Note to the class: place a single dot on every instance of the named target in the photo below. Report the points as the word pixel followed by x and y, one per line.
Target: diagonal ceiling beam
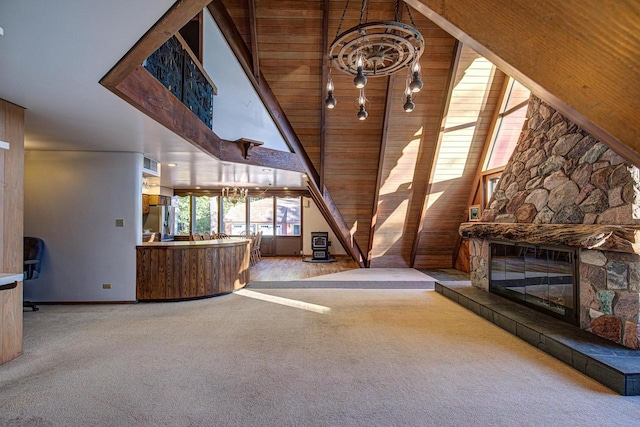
pixel 429 158
pixel 383 147
pixel 253 29
pixel 580 56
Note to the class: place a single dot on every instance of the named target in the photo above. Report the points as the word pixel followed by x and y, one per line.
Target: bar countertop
pixel 200 243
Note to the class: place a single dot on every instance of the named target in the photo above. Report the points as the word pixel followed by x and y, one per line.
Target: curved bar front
pixel 173 271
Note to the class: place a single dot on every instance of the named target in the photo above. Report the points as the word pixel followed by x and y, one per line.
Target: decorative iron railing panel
pixel 172 65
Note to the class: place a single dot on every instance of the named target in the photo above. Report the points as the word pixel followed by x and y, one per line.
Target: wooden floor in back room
pixel 294 268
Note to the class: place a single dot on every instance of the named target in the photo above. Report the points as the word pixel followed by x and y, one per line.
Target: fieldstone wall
pixel 559 174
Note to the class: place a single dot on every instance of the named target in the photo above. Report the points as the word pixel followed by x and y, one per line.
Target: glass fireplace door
pixel 540 277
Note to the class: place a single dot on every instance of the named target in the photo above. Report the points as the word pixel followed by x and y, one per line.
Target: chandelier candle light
pixel 374 49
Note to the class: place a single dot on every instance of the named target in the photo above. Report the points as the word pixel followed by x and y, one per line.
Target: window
pixel 203 210
pixel 234 217
pixel 261 215
pixel 183 215
pixel 509 125
pixel 288 210
pixel 206 214
pixel 490 181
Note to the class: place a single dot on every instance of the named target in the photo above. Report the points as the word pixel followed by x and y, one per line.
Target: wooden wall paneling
pixel 169 274
pixel 173 273
pixel 11 239
pixel 181 273
pixel 175 290
pixel 201 270
pixel 208 281
pixel 155 291
pixel 193 271
pixel 583 78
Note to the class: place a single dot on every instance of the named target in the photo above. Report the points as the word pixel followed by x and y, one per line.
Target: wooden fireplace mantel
pixel 615 238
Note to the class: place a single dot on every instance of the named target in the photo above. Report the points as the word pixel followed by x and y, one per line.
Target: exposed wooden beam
pixel 148 95
pixel 255 60
pixel 175 18
pixel 325 79
pixel 580 56
pixel 428 157
pixel 383 144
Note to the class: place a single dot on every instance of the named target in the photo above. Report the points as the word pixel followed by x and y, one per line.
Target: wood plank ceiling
pixel 388 174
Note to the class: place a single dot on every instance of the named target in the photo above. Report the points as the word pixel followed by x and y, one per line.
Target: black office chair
pixel 33 249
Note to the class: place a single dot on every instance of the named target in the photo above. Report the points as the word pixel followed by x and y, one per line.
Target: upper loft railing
pixel 178 69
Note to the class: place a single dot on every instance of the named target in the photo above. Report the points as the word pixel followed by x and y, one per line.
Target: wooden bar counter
pixel 172 271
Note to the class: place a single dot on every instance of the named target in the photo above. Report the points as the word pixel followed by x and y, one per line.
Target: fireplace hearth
pixel 592 274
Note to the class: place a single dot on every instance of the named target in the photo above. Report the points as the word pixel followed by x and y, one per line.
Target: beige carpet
pixel 308 357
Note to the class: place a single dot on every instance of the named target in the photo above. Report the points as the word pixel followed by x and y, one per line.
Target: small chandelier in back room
pixel 373 49
pixel 235 194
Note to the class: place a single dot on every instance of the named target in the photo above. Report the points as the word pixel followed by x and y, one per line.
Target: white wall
pixel 314 221
pixel 238 112
pixel 72 200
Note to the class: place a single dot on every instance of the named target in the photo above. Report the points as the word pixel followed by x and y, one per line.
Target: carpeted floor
pixel 336 284
pixel 292 357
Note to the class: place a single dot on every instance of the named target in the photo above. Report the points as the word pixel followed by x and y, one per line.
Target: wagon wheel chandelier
pixel 375 49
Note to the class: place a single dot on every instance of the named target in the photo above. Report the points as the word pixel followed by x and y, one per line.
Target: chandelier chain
pixel 362 9
pixel 346 6
pixel 413 23
pixel 395 3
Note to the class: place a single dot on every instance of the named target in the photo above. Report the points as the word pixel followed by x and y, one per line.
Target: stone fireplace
pixel 563 188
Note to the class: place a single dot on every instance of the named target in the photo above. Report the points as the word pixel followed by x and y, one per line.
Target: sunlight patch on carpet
pixel 284 301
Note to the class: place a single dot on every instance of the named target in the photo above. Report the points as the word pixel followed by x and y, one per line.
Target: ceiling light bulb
pixel 362 114
pixel 360 80
pixel 409 105
pixel 416 83
pixel 172 165
pixel 330 102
